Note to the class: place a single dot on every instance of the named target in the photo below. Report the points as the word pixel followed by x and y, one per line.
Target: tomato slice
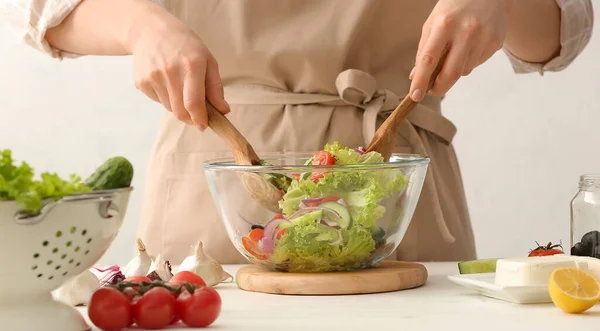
pixel 256 234
pixel 280 233
pixel 296 176
pixel 329 199
pixel 251 247
pixel 316 176
pixel 323 158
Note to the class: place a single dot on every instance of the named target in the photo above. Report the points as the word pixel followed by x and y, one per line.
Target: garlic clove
pixel 78 290
pixel 160 270
pixel 204 266
pixel 224 274
pixel 140 265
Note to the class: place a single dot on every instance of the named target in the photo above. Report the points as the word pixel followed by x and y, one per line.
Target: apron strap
pixel 359 89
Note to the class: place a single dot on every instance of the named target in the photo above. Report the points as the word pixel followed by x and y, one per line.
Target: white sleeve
pixel 30 19
pixel 577 22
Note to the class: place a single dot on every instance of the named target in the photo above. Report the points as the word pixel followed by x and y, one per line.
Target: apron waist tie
pixel 358 88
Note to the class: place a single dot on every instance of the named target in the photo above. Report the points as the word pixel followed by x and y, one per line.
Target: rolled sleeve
pixel 31 19
pixel 577 20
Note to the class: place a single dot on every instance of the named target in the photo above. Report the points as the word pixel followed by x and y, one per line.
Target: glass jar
pixel 585 217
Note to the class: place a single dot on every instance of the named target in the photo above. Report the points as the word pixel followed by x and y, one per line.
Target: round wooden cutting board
pixel 387 276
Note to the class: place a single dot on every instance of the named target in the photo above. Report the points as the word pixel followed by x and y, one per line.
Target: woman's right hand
pixel 173 67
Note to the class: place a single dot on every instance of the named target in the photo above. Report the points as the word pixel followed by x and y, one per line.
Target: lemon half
pixel 573 290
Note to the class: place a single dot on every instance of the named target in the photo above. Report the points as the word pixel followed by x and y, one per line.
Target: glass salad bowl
pixel 332 217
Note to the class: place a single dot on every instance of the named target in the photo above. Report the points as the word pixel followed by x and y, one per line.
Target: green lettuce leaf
pixel 17 183
pixel 363 192
pixel 299 249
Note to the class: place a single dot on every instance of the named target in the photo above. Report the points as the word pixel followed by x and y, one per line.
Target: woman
pixel 271 54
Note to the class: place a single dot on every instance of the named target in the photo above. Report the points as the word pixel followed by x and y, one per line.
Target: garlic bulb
pixel 140 265
pixel 78 290
pixel 204 266
pixel 160 270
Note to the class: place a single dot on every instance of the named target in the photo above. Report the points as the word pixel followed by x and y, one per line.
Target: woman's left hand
pixel 471 30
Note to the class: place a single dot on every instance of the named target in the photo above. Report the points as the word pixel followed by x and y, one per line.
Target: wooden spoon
pixel 261 190
pixel 385 136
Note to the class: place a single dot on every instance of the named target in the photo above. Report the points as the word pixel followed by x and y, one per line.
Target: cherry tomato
pixel 252 248
pixel 186 277
pixel 110 309
pixel 155 309
pixel 296 176
pixel 256 234
pixel 177 318
pixel 200 309
pixel 137 279
pixel 323 158
pixel 130 293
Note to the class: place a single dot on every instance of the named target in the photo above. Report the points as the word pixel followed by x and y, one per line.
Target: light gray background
pixel 523 140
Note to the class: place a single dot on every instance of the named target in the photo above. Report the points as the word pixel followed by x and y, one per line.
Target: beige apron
pixel 300 74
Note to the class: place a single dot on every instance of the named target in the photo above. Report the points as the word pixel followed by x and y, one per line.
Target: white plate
pixel 484 284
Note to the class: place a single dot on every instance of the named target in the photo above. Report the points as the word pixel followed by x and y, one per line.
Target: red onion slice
pixel 108 275
pixel 266 245
pixel 312 201
pixel 361 150
pixel 272 225
pixel 331 224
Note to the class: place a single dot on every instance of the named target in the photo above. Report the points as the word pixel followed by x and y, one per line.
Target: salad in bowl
pixel 341 209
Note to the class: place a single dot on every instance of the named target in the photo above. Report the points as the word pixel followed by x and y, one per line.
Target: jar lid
pixel 589 181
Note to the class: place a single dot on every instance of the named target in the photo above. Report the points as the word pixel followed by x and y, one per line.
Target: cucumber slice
pixel 377 231
pixel 378 234
pixel 327 234
pixel 477 266
pixel 346 219
pixel 285 226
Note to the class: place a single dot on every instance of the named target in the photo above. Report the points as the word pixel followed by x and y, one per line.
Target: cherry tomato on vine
pixel 186 277
pixel 155 309
pixel 137 279
pixel 109 309
pixel 200 309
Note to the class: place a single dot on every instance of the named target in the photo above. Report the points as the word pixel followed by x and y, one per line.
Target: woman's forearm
pixel 533 30
pixel 104 27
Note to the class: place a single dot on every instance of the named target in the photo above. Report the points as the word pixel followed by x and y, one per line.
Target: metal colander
pixel 41 252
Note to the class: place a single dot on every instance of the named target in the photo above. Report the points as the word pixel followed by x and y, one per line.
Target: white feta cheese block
pixel 531 271
pixel 592 263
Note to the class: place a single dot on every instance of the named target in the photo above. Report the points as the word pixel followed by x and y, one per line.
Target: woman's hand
pixel 173 67
pixel 471 30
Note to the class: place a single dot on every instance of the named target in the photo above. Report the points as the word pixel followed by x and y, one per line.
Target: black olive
pixel 581 250
pixel 257 227
pixel 591 239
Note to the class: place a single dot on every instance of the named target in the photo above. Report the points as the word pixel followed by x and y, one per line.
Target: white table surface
pixel 439 305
